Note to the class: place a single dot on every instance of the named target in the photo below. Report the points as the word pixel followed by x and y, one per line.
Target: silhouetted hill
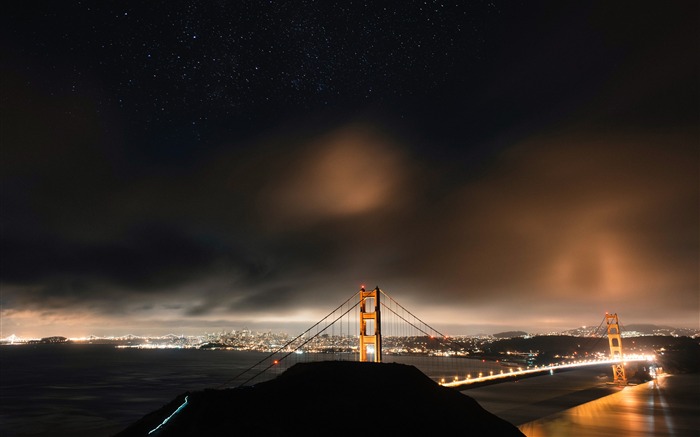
pixel 329 398
pixel 510 334
pixel 50 340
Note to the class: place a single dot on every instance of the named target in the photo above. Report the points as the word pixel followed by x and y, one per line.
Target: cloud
pixel 573 218
pixel 351 171
pixel 286 228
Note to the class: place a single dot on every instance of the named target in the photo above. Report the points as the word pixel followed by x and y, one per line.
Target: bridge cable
pixel 597 336
pixel 289 342
pixel 408 322
pixel 446 343
pixel 298 347
pixel 417 318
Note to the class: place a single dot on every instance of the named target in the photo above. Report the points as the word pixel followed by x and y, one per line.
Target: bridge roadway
pixel 537 370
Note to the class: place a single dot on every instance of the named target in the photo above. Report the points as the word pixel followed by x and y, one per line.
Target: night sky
pixel 181 166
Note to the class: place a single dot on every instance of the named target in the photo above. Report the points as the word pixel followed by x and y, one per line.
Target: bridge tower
pixel 370 324
pixel 615 340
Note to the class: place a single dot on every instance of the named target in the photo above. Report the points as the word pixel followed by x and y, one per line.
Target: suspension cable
pixel 408 322
pixel 289 342
pixel 298 347
pixel 599 336
pixel 414 316
pixel 417 318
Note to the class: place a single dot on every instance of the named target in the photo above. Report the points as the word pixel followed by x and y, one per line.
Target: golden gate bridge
pixel 371 326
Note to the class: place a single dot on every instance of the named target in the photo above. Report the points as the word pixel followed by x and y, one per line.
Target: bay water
pixel 98 390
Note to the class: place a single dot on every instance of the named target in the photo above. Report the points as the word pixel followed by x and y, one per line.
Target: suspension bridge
pixel 371 326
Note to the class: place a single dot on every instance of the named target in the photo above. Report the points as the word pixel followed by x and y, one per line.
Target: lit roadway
pixel 533 370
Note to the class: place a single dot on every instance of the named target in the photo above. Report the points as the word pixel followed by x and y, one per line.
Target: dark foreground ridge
pixel 328 398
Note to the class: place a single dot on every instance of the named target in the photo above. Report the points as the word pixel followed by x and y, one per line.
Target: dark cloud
pixel 521 163
pixel 571 216
pixel 571 219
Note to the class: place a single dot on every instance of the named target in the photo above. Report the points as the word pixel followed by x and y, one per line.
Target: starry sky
pixel 183 166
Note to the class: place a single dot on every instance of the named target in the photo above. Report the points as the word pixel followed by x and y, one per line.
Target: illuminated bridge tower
pixel 615 348
pixel 370 324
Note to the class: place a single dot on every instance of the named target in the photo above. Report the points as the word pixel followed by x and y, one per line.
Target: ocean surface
pixel 667 407
pixel 98 390
pixel 582 403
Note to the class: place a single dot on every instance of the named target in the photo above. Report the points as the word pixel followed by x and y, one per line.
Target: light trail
pixel 184 404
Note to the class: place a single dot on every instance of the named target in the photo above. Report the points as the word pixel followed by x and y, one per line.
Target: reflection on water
pixel 669 406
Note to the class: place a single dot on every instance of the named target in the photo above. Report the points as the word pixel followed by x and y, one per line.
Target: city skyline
pixel 184 167
pixel 581 331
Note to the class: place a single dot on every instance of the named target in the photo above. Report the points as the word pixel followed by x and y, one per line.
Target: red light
pixel 275 362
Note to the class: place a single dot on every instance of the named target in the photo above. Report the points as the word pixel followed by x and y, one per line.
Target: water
pixel 529 399
pixel 98 390
pixel 667 407
pixel 581 403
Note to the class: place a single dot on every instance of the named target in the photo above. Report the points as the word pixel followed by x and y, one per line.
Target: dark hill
pixel 328 398
pixel 510 334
